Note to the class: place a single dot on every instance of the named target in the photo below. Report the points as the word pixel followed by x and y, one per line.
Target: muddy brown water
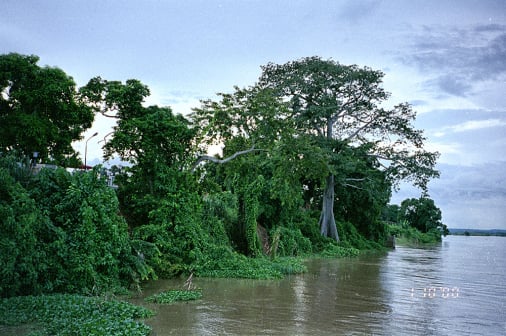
pixel 457 287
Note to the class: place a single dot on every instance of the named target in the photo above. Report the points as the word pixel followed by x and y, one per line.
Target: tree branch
pixel 355 179
pixel 352 186
pixel 104 113
pixel 358 130
pixel 106 137
pixel 225 160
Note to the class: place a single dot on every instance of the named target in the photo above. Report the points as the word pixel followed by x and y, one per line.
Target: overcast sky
pixel 446 57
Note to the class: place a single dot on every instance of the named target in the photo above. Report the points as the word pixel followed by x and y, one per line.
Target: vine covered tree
pixel 40 110
pixel 343 103
pixel 329 116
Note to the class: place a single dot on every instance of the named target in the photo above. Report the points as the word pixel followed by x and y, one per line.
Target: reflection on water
pixel 455 288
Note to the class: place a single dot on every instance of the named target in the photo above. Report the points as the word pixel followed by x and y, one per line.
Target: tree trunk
pixel 327 222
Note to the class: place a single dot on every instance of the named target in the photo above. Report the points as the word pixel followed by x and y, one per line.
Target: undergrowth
pixel 408 235
pixel 336 251
pixel 236 265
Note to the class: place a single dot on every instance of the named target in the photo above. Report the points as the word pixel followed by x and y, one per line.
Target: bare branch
pixel 225 160
pixel 356 179
pixel 352 186
pixel 108 115
pixel 358 130
pixel 105 137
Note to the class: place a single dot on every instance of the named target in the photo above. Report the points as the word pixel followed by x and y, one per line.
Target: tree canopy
pixel 309 159
pixel 40 110
pixel 332 108
pixel 422 214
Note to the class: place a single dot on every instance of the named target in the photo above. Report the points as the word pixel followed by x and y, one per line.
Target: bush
pixel 335 251
pixel 351 238
pixel 289 242
pixel 24 255
pixel 223 262
pixel 63 233
pixel 94 253
pixel 408 235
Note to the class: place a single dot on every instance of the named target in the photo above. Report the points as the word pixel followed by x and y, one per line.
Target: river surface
pixel 457 287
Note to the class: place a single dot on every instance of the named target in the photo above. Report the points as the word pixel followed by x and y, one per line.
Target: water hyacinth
pixel 174 295
pixel 65 314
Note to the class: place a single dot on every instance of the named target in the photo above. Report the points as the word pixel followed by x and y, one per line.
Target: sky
pixel 445 57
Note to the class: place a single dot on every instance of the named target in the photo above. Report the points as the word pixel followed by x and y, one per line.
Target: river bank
pixel 453 287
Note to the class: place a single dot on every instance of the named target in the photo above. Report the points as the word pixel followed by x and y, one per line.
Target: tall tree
pixel 156 142
pixel 248 122
pixel 40 109
pixel 332 101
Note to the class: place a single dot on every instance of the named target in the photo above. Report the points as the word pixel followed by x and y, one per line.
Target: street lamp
pixel 33 162
pixel 86 150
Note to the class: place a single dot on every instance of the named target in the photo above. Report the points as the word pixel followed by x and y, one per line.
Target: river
pixel 457 287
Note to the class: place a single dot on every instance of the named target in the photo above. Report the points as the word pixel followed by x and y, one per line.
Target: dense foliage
pixel 422 214
pixel 65 315
pixel 40 110
pixel 62 233
pixel 309 159
pixel 415 220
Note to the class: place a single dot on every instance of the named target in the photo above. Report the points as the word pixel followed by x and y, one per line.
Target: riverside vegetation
pixel 309 161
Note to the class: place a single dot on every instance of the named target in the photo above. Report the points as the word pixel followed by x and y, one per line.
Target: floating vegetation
pixel 65 314
pixel 174 295
pixel 335 251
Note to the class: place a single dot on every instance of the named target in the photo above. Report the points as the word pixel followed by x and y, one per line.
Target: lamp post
pixel 86 150
pixel 35 155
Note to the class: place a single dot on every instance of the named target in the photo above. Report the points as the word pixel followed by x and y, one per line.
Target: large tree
pixel 156 142
pixel 332 101
pixel 40 110
pixel 333 107
pixel 249 125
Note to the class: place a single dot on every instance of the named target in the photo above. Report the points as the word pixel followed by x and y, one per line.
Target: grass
pixel 66 314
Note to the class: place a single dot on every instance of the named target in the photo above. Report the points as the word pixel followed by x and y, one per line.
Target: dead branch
pixel 225 160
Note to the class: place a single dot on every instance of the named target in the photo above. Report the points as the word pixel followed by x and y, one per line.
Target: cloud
pixel 180 101
pixel 468 196
pixel 418 102
pixel 465 136
pixel 478 124
pixel 453 84
pixel 471 125
pixel 445 149
pixel 472 196
pixel 356 11
pixel 459 58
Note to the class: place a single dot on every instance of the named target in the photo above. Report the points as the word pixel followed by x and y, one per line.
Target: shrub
pixel 289 242
pixel 63 233
pixel 408 235
pixel 94 253
pixel 24 256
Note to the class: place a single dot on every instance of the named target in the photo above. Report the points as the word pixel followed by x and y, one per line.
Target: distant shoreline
pixel 477 232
